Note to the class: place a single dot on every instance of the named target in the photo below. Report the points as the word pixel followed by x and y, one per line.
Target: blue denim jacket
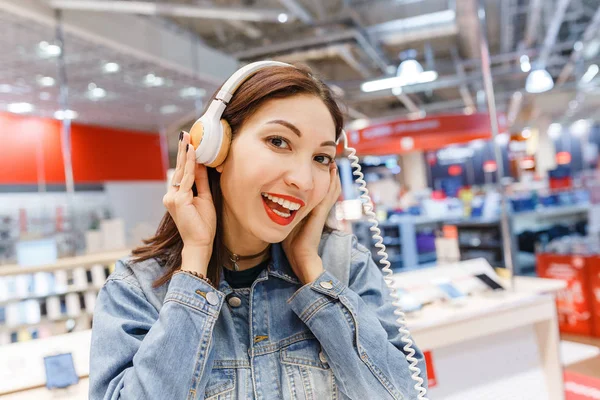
pixel 334 338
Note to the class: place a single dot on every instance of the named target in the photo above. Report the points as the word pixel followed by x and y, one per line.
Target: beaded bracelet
pixel 199 276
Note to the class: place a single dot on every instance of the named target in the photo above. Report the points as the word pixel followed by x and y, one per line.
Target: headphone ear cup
pixel 196 134
pixel 224 150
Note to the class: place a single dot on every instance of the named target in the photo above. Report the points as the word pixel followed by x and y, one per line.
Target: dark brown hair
pixel 269 83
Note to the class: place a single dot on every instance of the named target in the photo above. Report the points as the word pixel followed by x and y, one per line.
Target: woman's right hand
pixel 195 217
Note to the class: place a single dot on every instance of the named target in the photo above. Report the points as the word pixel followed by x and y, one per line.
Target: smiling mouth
pixel 279 210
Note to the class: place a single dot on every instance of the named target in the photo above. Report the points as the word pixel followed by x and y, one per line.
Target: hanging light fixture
pixel 539 81
pixel 409 72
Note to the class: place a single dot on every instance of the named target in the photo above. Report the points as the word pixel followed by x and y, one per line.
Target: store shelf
pixel 553 211
pixel 43 321
pixel 69 290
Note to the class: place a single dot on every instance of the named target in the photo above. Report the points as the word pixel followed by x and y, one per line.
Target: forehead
pixel 308 113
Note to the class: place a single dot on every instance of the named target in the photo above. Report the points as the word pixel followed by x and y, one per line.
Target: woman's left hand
pixel 301 245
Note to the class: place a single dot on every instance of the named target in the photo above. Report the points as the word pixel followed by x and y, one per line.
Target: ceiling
pixel 345 41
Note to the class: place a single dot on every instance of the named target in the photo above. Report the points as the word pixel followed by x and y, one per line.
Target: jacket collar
pixel 279 267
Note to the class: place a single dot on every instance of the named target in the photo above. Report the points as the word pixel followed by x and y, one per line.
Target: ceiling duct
pixel 414 29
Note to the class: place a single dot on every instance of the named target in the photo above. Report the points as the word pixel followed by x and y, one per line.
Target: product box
pixel 594 278
pixel 574 303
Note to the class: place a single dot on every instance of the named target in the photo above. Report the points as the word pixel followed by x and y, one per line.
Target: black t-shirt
pixel 244 279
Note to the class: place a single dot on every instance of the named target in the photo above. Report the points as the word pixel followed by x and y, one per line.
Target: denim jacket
pixel 334 338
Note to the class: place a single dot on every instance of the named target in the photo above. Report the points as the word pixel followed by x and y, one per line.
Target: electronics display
pixel 60 371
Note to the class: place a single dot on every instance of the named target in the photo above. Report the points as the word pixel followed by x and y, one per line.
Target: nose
pixel 300 175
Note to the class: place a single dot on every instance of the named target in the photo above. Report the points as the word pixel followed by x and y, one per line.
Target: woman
pixel 243 292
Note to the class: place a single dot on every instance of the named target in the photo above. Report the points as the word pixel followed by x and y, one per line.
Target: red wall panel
pixel 98 153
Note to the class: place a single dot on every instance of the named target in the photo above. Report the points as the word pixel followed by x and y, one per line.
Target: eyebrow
pixel 294 129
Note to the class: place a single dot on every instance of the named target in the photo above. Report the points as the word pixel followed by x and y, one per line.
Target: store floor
pixel 582 369
pixel 589 367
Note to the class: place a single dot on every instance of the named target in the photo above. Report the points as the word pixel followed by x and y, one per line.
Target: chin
pixel 274 235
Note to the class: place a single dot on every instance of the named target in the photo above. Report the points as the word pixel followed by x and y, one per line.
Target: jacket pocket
pixel 221 384
pixel 307 373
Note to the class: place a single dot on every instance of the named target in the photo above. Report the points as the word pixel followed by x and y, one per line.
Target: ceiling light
pixel 580 127
pixel 526 133
pixel 111 67
pixel 46 49
pixel 591 49
pixel 525 67
pixel 409 68
pixel 153 80
pixel 502 139
pixel 554 130
pixel 397 91
pixel 539 81
pixel 20 108
pixel 5 88
pixel 398 81
pixel 96 93
pixel 169 109
pixel 283 18
pixel 45 81
pixel 578 46
pixel 192 92
pixel 590 74
pixel 65 114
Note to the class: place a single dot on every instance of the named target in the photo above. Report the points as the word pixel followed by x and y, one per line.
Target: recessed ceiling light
pixel 192 92
pixel 45 96
pixel 65 114
pixel 153 80
pixel 283 18
pixel 20 108
pixel 46 49
pixel 111 67
pixel 169 109
pixel 45 81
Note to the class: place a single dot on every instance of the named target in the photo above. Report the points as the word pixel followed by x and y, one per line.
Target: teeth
pixel 284 215
pixel 285 203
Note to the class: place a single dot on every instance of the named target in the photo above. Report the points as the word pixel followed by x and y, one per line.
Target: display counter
pixel 494 345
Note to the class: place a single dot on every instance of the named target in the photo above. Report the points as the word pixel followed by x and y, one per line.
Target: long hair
pixel 269 83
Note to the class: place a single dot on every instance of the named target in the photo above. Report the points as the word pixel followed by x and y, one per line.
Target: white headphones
pixel 210 135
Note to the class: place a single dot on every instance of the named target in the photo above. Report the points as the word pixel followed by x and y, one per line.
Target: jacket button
pixel 234 301
pixel 322 358
pixel 212 298
pixel 326 285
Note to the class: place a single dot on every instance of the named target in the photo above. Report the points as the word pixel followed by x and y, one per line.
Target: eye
pixel 324 159
pixel 278 142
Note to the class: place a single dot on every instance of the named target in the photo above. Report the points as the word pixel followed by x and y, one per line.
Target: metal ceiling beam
pixel 296 9
pixel 464 89
pixel 589 34
pixel 552 32
pixel 534 17
pixel 171 9
pixel 424 27
pixel 150 42
pixel 508 57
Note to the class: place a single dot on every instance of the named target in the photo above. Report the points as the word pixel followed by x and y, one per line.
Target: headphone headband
pixel 238 77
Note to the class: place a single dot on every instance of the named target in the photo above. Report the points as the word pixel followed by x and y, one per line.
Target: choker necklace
pixel 234 258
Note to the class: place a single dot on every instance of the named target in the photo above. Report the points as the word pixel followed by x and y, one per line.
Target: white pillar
pixel 414 170
pixel 545 155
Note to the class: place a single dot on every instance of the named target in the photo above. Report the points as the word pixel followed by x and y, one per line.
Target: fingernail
pixel 180 136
